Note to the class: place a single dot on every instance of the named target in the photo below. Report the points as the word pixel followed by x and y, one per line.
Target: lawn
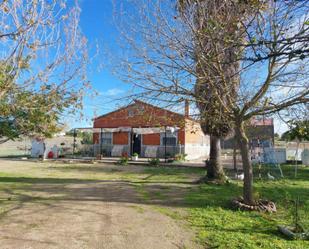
pixel 219 227
pixel 204 209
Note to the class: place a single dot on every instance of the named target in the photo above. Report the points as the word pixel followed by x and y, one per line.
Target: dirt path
pixel 100 214
pixel 70 224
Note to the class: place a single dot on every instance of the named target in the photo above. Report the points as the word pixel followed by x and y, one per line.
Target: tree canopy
pixel 42 66
pixel 299 130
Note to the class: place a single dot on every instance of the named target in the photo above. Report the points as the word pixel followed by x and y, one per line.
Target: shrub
pixel 180 157
pixel 154 161
pixel 135 154
pixel 125 154
pixel 123 161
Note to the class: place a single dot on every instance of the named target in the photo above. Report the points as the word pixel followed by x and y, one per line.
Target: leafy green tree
pixel 42 66
pixel 299 130
pixel 277 136
pixel 87 138
pixel 24 113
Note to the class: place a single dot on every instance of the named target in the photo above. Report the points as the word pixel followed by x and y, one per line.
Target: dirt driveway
pixel 40 210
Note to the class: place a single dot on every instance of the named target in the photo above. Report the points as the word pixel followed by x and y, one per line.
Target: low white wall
pixel 196 151
pixel 159 151
pixel 279 155
pixel 37 148
pixel 118 150
pixel 305 157
pixel 150 151
pixel 291 154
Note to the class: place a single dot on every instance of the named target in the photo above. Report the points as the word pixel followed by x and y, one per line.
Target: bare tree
pixel 223 17
pixel 252 66
pixel 42 65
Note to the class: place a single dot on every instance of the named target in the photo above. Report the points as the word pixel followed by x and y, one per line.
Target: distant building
pixel 150 131
pixel 60 134
pixel 260 131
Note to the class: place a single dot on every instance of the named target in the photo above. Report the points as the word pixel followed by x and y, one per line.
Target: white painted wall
pixel 150 151
pixel 305 157
pixel 197 151
pixel 117 150
pixel 37 148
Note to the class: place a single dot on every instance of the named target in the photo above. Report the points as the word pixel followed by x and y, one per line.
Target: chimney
pixel 187 108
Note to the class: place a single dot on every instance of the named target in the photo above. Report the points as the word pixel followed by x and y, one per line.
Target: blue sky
pixel 96 22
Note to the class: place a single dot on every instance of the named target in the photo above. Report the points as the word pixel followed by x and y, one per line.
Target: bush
pixel 180 157
pixel 123 161
pixel 125 154
pixel 135 154
pixel 154 161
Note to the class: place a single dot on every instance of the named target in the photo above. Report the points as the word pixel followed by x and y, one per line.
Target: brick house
pixel 258 131
pixel 150 131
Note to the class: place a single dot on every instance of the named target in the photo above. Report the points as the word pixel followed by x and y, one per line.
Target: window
pixel 170 139
pixel 106 138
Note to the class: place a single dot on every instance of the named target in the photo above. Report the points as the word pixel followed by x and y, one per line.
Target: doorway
pixel 137 139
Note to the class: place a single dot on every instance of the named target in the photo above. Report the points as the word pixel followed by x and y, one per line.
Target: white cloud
pixel 113 92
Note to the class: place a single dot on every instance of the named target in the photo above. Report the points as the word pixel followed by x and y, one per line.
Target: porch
pixel 145 151
pixel 147 142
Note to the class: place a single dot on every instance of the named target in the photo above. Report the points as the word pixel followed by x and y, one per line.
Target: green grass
pixel 217 225
pixel 170 191
pixel 168 212
pixel 220 227
pixel 141 191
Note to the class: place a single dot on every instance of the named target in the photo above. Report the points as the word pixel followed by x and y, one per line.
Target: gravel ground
pixel 93 214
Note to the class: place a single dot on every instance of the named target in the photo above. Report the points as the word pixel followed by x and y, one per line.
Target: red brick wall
pixel 154 139
pixel 143 116
pixel 148 139
pixel 151 139
pixel 120 138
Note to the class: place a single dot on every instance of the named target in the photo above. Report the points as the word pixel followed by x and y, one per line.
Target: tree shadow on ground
pixel 105 168
pixel 172 191
pixel 45 180
pixel 139 192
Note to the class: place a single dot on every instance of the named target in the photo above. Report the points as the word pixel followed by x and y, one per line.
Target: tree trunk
pixel 246 162
pixel 214 166
pixel 234 156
